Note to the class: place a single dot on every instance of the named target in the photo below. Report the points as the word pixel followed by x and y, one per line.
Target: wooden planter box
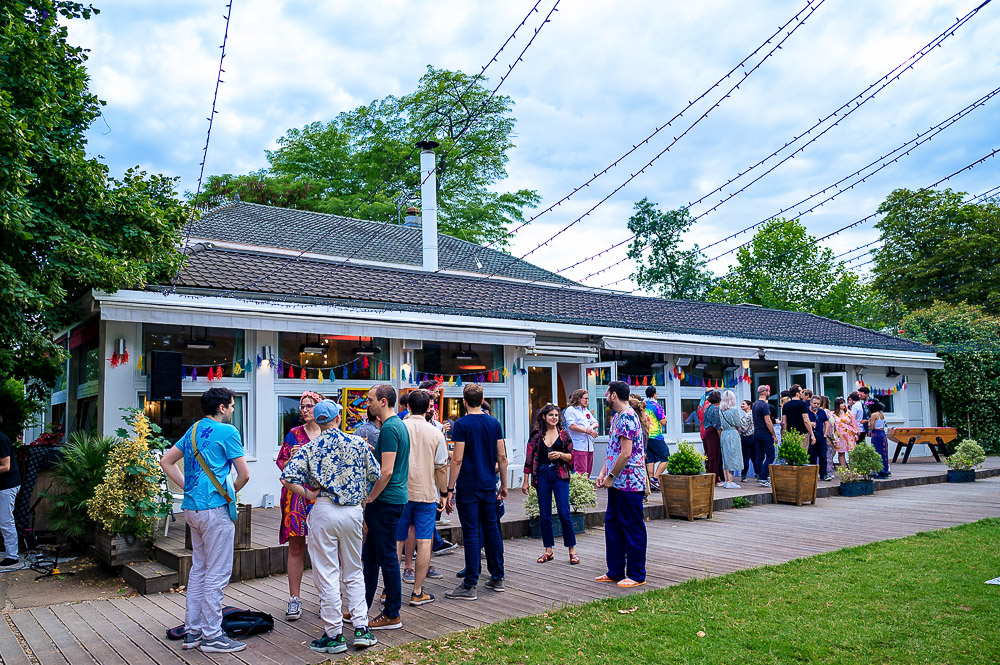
pixel 241 538
pixel 794 484
pixel 961 475
pixel 535 525
pixel 120 550
pixel 688 496
pixel 857 488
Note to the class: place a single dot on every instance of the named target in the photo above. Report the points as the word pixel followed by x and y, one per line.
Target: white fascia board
pixel 526 329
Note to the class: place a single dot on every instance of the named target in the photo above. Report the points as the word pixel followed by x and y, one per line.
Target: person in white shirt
pixel 582 427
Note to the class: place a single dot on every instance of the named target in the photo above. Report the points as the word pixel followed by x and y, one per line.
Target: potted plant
pixel 76 475
pixel 131 499
pixel 792 479
pixel 856 477
pixel 962 464
pixel 582 495
pixel 686 489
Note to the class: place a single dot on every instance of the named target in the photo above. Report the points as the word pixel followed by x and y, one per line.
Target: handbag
pixel 227 495
pixel 236 623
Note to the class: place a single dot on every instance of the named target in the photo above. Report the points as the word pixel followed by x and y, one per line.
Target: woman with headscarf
pixel 295 507
pixel 713 428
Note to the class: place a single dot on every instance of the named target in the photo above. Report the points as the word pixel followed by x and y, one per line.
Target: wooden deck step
pixel 150 577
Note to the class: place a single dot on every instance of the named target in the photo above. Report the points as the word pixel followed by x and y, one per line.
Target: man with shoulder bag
pixel 210 449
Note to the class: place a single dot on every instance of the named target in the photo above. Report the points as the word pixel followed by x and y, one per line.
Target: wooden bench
pixel 934 437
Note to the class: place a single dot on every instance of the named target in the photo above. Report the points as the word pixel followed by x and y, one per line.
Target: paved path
pixel 130 630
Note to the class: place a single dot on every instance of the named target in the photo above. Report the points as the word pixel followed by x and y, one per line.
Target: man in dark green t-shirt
pixel 385 505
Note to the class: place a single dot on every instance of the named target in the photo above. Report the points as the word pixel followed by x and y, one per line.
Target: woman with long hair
pixel 294 507
pixel 846 428
pixel 876 425
pixel 549 462
pixel 732 459
pixel 747 443
pixel 582 426
pixel 713 428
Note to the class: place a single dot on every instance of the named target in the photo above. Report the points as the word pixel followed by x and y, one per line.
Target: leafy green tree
pixel 936 247
pixel 665 268
pixel 783 267
pixel 363 163
pixel 67 226
pixel 968 387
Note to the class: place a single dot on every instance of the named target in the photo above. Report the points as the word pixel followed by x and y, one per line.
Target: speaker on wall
pixel 165 374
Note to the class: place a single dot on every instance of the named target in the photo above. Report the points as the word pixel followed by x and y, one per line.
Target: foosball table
pixel 934 437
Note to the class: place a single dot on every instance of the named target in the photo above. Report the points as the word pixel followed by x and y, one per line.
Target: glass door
pixel 766 379
pixel 833 385
pixel 541 388
pixel 802 376
pixel 596 377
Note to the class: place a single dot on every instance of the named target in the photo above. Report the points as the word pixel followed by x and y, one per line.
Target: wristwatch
pixel 611 475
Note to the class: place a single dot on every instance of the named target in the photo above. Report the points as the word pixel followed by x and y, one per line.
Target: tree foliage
pixel 936 247
pixel 968 388
pixel 67 225
pixel 363 163
pixel 783 267
pixel 665 268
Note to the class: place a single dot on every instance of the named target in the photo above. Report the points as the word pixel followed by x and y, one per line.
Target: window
pixel 174 418
pixel 689 415
pixel 466 360
pixel 886 401
pixel 86 416
pixel 454 408
pixel 337 353
pixel 288 408
pixel 89 368
pixel 200 347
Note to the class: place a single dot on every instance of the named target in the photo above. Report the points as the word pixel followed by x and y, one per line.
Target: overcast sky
pixel 597 79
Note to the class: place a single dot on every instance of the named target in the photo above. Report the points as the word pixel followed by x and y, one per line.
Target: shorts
pixel 421 516
pixel 656 451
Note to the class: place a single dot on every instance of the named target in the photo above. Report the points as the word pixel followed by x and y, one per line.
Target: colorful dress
pixel 847 429
pixel 294 508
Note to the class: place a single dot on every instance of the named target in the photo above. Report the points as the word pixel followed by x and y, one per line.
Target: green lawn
pixel 921 599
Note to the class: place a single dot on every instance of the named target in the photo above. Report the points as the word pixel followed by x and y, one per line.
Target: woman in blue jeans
pixel 549 461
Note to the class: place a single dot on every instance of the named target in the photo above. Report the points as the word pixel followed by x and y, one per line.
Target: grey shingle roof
pixel 332 235
pixel 239 273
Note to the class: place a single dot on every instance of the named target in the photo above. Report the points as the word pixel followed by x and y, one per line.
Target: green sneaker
pixel 364 638
pixel 327 644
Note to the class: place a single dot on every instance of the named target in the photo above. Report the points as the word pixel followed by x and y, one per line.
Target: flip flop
pixel 604 578
pixel 547 556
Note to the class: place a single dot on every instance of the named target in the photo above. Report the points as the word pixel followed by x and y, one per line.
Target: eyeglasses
pixel 306 407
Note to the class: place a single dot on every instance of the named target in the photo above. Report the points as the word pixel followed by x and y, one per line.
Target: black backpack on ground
pixel 236 623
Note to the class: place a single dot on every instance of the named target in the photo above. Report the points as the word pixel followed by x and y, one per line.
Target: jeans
pixel 764 454
pixel 475 509
pixel 379 553
pixel 550 483
pixel 749 452
pixel 817 454
pixel 7 525
pixel 212 534
pixel 625 536
pixel 335 552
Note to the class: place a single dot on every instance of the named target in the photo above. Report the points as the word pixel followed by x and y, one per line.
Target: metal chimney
pixel 412 219
pixel 428 197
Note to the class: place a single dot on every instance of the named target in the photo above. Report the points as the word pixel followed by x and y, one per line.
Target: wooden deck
pixel 131 630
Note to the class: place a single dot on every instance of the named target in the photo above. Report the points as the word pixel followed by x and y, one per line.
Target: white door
pixel 596 377
pixel 802 376
pixel 833 385
pixel 915 416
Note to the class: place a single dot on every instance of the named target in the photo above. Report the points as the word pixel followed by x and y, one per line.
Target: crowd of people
pixel 366 505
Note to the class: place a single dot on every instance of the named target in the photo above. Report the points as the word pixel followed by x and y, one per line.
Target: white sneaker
pixel 734 486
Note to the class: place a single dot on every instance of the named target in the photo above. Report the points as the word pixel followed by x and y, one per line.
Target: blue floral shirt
pixel 626 425
pixel 341 465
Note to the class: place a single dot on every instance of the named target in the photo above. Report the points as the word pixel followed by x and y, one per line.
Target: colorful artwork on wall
pixel 355 403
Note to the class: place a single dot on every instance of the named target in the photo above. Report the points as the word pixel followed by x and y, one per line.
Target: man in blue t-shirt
pixel 480 453
pixel 206 512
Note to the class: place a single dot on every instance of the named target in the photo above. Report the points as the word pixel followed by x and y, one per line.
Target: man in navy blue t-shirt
pixel 479 454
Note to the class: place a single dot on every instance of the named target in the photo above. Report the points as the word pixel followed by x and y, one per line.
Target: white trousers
pixel 212 534
pixel 7 526
pixel 335 552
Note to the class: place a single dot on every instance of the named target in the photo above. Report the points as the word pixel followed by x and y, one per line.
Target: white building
pixel 312 291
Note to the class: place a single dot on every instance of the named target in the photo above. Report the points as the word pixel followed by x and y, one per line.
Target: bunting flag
pixel 320 377
pixel 344 374
pixel 392 373
pixel 380 367
pixel 237 369
pixel 303 374
pixel 523 371
pixel 451 380
pixel 259 361
pixel 505 372
pixel 402 375
pixel 291 371
pixel 884 392
pixel 138 364
pixel 194 373
pixel 459 380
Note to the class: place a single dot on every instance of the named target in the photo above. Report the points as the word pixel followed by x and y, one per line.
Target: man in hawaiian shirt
pixel 343 469
pixel 625 479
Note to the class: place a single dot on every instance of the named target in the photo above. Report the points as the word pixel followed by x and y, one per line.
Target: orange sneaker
pixel 628 584
pixel 604 578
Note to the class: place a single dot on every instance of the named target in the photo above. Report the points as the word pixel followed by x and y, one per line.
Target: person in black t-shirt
pixel 794 414
pixel 10 483
pixel 763 434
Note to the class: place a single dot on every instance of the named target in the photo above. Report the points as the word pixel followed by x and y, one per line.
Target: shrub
pixel 686 461
pixel 742 502
pixel 582 494
pixel 864 461
pixel 791 451
pixel 131 498
pixel 968 455
pixel 80 469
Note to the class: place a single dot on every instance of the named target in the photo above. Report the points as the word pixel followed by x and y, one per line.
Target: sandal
pixel 548 556
pixel 574 559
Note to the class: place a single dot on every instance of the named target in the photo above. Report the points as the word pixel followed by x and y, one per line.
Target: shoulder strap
pixel 204 466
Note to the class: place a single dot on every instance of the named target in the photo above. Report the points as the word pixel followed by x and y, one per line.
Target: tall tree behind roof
pixel 351 165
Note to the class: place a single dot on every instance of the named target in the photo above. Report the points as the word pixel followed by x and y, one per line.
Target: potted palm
pixel 856 476
pixel 792 479
pixel 962 464
pixel 686 489
pixel 75 478
pixel 582 495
